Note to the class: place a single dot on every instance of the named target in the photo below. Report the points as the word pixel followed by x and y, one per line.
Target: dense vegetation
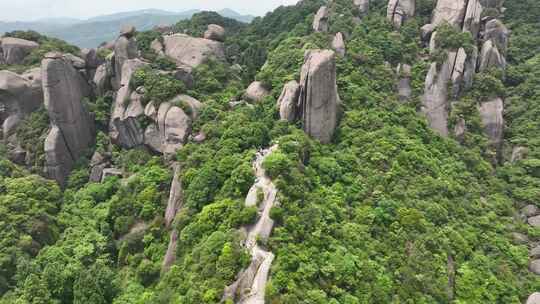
pixel 389 212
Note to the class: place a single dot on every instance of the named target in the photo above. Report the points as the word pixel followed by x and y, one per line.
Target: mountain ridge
pixel 90 32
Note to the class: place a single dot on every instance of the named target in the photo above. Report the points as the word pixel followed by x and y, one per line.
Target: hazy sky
pixel 24 10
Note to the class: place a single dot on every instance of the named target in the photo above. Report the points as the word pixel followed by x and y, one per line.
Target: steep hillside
pixel 328 152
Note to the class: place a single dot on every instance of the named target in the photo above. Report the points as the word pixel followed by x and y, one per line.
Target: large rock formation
pixel 187 50
pixel 491 57
pixel 399 11
pixel 338 44
pixel 318 96
pixel 125 48
pixel 173 206
pixel 491 114
pixel 20 95
pixel 72 129
pixel 14 50
pixel 215 32
pixel 125 129
pixel 534 298
pixel 320 22
pixel 172 123
pixel 288 101
pixel 457 71
pixel 362 6
pixel 404 83
pixel 256 92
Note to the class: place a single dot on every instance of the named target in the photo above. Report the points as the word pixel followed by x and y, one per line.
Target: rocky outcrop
pixel 362 6
pixel 256 92
pixel 172 123
pixel 338 44
pixel 404 72
pixel 519 153
pixel 491 114
pixel 102 78
pixel 190 51
pixel 497 32
pixel 173 206
pixel 125 129
pixel 249 288
pixel 320 22
pixel 318 96
pixel 399 11
pixel 288 101
pixel 457 71
pixel 98 163
pixel 534 298
pixel 174 127
pixel 125 48
pixel 14 50
pixel 215 32
pixel 20 95
pixel 72 131
pixel 491 57
pixel 175 197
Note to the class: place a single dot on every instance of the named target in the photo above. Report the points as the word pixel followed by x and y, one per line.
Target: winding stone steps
pixel 250 286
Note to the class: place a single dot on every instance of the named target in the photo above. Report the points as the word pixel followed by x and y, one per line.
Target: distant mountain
pixel 93 31
pixel 229 13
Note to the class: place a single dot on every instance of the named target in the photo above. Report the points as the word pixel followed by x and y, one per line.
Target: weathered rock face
pixel 459 67
pixel 72 130
pixel 125 48
pixel 288 101
pixel 519 153
pixel 529 211
pixel 404 84
pixel 102 78
pixel 215 32
pixel 338 44
pixel 399 11
pixel 451 11
pixel 174 127
pixel 256 92
pixel 435 101
pixel 318 96
pixel 320 22
pixel 534 267
pixel 175 197
pixel 497 32
pixel 491 113
pixel 125 129
pixel 491 57
pixel 14 50
pixel 190 51
pixel 534 298
pixel 362 5
pixel 20 95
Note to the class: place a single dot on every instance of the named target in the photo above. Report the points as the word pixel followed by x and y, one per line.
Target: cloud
pixel 25 10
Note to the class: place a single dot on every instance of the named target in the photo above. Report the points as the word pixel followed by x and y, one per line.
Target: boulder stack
pixel 125 48
pixel 72 128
